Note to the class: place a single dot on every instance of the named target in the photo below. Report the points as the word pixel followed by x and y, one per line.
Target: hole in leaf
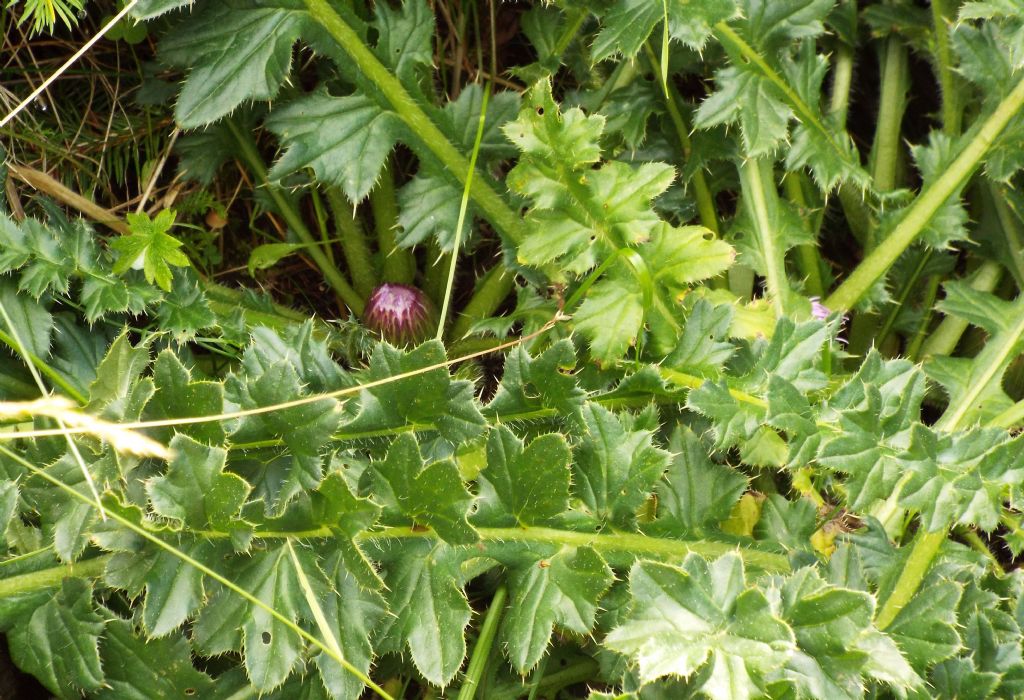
pixel 190 691
pixel 540 111
pixel 266 637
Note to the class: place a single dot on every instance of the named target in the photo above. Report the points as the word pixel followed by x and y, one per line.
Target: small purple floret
pixel 403 315
pixel 819 310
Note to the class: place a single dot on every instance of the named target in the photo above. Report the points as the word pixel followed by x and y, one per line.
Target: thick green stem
pixel 952 108
pixel 397 264
pixel 55 377
pixel 52 577
pixel 808 257
pixel 495 286
pixel 943 339
pixel 353 242
pixel 842 80
pixel 490 204
pixel 927 204
pixel 254 162
pixel 761 200
pixel 987 367
pixel 484 643
pixel 885 152
pixel 926 547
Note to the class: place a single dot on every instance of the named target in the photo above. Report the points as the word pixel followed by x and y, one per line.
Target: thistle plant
pixel 724 400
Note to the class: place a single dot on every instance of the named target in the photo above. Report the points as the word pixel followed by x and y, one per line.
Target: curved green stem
pixel 482 650
pixel 943 339
pixel 491 205
pixel 52 577
pixel 927 204
pixel 353 242
pixel 47 371
pixel 397 264
pixel 926 547
pixel 331 274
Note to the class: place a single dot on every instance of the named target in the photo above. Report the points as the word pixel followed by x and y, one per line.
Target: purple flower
pixel 819 310
pixel 403 315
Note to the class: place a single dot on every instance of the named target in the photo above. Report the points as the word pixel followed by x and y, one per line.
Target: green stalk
pixel 491 205
pixel 842 80
pixel 926 547
pixel 353 242
pixel 55 377
pixel 761 199
pixel 907 286
pixel 1011 229
pixel 927 203
pixel 743 53
pixel 482 650
pixel 331 274
pixel 702 193
pixel 928 304
pixel 52 577
pixel 397 264
pixel 321 222
pixel 622 544
pixel 952 109
pixel 493 288
pixel 986 368
pixel 808 257
pixel 944 339
pixel 885 152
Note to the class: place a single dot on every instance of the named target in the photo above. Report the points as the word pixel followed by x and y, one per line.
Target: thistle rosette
pixel 401 314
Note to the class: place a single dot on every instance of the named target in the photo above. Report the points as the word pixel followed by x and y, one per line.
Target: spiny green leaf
pixel 196 490
pixel 700 613
pixel 177 395
pixel 431 398
pixel 431 494
pixel 429 610
pixel 611 317
pixel 524 486
pixel 345 140
pixel 541 382
pixel 33 324
pixel 630 22
pixel 236 54
pixel 563 590
pixel 696 494
pixel 140 669
pixel 616 466
pixel 59 643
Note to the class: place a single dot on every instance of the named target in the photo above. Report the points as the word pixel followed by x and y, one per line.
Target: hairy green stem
pixel 491 205
pixel 892 103
pixel 842 80
pixel 931 199
pixel 397 264
pixel 761 200
pixel 987 367
pixel 484 643
pixel 55 377
pixel 353 242
pixel 944 339
pixel 334 278
pixel 952 108
pixel 52 577
pixel 926 547
pixel 808 257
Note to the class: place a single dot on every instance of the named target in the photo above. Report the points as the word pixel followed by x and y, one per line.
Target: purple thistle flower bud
pixel 403 315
